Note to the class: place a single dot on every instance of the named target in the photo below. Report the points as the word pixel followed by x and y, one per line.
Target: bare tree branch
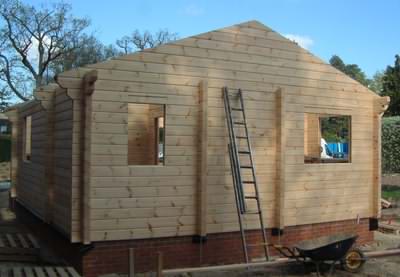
pixel 139 41
pixel 7 74
pixel 34 39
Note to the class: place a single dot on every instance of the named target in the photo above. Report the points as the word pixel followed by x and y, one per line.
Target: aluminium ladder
pixel 238 132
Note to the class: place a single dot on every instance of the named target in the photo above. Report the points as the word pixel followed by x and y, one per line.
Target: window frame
pixel 319 160
pixel 27 157
pixel 155 159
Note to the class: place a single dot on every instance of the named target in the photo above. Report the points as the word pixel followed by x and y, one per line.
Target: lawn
pixel 391 192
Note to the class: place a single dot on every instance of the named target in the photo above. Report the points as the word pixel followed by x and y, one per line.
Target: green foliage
pixel 391 192
pixel 376 82
pixel 391 144
pixel 351 70
pixel 335 128
pixel 391 87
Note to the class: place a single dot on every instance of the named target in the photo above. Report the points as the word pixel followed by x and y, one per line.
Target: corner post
pixel 380 106
pixel 87 90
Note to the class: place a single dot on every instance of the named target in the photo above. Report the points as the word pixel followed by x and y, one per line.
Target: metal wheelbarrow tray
pixel 334 249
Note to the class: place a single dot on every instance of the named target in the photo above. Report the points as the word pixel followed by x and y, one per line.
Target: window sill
pixel 308 160
pixel 146 165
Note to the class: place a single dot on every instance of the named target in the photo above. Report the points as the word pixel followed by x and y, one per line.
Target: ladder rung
pixel 237 109
pixel 248 182
pixel 252 212
pixel 258 244
pixel 246 166
pixel 244 152
pixel 251 197
pixel 239 123
pixel 241 137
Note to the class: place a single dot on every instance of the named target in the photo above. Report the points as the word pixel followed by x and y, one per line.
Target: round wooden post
pixel 131 262
pixel 159 264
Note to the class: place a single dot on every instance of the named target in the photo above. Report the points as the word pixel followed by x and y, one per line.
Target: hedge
pixel 5 148
pixel 391 144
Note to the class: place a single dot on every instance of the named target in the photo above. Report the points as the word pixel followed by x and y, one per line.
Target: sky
pixel 366 32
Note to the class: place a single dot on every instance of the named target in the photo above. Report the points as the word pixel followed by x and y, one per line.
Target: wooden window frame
pixel 27 155
pixel 154 159
pixel 348 160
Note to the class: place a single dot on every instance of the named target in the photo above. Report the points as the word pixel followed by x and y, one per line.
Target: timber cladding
pixel 63 134
pixel 122 196
pixel 32 183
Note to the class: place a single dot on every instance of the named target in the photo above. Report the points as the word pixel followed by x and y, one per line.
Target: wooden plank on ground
pixel 39 271
pixel 28 272
pixel 72 272
pixel 50 272
pixel 16 272
pixel 61 272
pixel 23 241
pixel 11 240
pixel 33 240
pixel 3 272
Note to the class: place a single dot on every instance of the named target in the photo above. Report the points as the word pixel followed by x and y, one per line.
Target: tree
pixel 32 39
pixel 376 82
pixel 5 98
pixel 391 86
pixel 351 70
pixel 338 63
pixel 138 41
pixel 92 51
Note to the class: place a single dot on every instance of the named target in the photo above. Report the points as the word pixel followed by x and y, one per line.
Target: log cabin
pixel 132 152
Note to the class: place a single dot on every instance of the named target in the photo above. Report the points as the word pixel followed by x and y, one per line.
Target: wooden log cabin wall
pixel 126 194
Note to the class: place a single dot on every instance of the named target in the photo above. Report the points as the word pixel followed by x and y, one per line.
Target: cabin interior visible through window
pixel 327 138
pixel 146 134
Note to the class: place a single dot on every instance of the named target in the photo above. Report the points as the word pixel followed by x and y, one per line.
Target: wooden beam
pixel 281 138
pixel 380 106
pixel 203 163
pixel 85 135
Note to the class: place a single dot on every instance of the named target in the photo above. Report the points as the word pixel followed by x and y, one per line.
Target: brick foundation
pixel 224 248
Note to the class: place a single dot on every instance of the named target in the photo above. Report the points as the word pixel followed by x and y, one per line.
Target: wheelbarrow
pixel 331 249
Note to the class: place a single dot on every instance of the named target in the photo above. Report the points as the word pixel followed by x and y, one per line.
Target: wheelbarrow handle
pixel 286 251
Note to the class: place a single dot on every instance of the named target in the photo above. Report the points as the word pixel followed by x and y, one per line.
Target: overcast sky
pixel 363 32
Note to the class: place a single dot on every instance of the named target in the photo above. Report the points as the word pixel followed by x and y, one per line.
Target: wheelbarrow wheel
pixel 353 260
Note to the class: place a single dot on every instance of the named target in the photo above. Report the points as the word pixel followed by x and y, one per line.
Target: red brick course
pixel 224 248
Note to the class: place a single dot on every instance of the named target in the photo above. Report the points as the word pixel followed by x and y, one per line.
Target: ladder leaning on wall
pixel 239 135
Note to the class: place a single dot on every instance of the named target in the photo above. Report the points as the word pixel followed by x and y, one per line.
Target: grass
pixel 391 192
